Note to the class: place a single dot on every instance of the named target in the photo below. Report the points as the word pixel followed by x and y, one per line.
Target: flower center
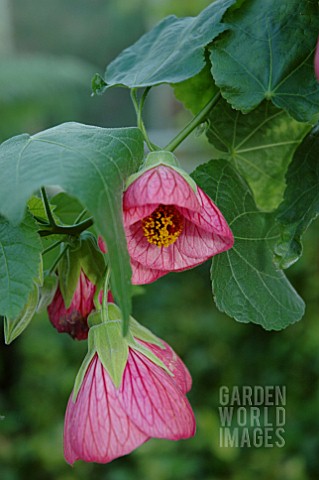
pixel 164 226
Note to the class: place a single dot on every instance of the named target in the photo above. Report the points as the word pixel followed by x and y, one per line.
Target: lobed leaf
pixel 170 53
pixel 267 53
pixel 91 164
pixel 245 282
pixel 301 201
pixel 260 145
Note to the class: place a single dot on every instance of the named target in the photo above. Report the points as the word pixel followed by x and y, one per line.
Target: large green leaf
pixel 245 282
pixel 301 201
pixel 20 261
pixel 91 164
pixel 268 53
pixel 260 145
pixel 196 92
pixel 171 52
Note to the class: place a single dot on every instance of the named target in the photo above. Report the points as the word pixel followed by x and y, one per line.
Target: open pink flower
pixel 73 320
pixel 105 422
pixel 316 62
pixel 169 226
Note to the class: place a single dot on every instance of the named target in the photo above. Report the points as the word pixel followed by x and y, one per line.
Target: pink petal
pixel 153 401
pixel 97 429
pixel 182 377
pixel 194 246
pixel 161 184
pixel 73 320
pixel 102 244
pixel 135 214
pixel 143 275
pixel 209 218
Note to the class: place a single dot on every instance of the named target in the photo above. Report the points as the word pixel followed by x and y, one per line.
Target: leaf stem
pixel 67 230
pixel 138 106
pixel 47 207
pixel 197 120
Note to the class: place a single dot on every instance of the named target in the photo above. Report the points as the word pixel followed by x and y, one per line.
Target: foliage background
pixel 37 371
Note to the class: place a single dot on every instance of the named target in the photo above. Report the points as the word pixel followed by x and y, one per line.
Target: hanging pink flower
pixel 105 423
pixel 170 226
pixel 316 62
pixel 73 320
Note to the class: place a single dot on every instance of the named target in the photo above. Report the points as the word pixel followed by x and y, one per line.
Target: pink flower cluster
pixel 171 225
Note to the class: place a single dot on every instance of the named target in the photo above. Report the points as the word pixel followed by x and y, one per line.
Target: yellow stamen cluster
pixel 164 226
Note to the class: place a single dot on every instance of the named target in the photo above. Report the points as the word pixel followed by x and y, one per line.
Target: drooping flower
pixel 106 422
pixel 73 320
pixel 170 225
pixel 316 61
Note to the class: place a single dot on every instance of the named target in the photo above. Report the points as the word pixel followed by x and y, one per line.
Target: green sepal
pixel 81 374
pixel 69 270
pixel 92 259
pixel 143 333
pixel 150 355
pixel 157 158
pixel 14 327
pixel 47 291
pixel 112 348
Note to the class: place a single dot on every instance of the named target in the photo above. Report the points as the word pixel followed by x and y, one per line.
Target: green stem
pixel 65 230
pixel 47 207
pixel 197 120
pixel 51 247
pixel 138 106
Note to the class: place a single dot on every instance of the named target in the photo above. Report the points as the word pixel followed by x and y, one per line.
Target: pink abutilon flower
pixel 316 62
pixel 169 226
pixel 105 422
pixel 73 320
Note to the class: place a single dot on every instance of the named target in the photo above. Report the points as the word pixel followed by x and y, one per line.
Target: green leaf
pixel 245 282
pixel 66 208
pixel 91 258
pixel 196 92
pixel 267 53
pixel 260 145
pixel 301 201
pixel 170 53
pixel 13 327
pixel 111 348
pixel 91 164
pixel 20 260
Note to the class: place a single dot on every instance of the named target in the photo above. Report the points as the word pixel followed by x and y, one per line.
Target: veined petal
pixel 97 429
pixel 193 247
pixel 143 275
pixel 182 377
pixel 209 218
pixel 163 185
pixel 134 214
pixel 153 401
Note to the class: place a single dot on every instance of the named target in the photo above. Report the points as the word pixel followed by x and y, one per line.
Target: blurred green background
pixel 49 52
